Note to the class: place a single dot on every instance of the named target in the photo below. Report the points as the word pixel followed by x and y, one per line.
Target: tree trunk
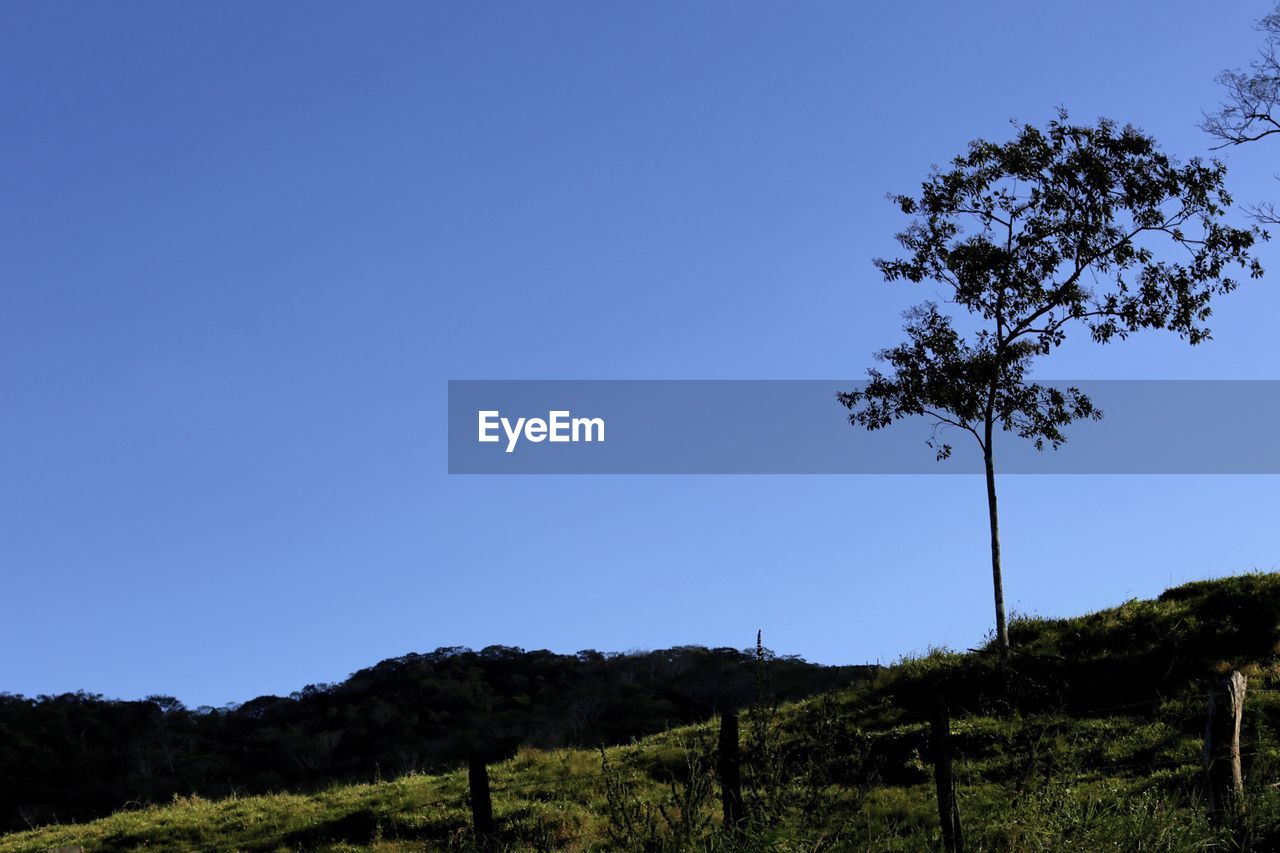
pixel 997 580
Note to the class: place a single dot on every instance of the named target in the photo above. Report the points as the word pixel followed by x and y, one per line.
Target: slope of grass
pixel 1090 741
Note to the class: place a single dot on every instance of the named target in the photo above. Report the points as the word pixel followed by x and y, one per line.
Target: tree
pixel 1057 229
pixel 1251 109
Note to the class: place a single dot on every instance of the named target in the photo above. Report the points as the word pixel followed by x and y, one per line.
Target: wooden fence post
pixel 481 800
pixel 1222 746
pixel 729 768
pixel 948 807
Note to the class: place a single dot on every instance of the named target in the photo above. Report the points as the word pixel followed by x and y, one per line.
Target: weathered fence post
pixel 481 800
pixel 948 807
pixel 729 768
pixel 1222 746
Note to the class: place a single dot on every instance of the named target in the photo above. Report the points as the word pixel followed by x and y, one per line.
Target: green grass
pixel 1091 742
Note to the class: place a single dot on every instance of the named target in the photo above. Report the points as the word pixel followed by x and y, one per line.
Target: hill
pixel 1090 741
pixel 78 756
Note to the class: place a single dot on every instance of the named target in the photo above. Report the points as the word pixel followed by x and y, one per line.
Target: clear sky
pixel 243 247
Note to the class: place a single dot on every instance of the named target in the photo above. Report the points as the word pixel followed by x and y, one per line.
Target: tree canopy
pixel 1250 110
pixel 1056 227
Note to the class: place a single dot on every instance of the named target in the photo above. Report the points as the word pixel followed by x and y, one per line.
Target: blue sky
pixel 244 247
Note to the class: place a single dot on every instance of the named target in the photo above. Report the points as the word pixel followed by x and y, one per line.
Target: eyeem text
pixel 558 426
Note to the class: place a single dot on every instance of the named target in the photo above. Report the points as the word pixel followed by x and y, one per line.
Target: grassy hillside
pixel 1091 741
pixel 76 757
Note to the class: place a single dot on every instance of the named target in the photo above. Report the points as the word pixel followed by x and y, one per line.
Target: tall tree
pixel 1054 230
pixel 1250 110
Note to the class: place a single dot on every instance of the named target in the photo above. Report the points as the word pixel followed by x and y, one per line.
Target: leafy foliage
pixel 1056 227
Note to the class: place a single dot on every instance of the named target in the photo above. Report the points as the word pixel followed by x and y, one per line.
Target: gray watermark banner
pixel 797 427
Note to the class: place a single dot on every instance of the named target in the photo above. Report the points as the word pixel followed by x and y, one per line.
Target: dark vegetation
pixel 1089 739
pixel 77 756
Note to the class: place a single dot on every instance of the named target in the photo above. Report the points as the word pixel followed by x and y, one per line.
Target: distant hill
pixel 76 756
pixel 1091 740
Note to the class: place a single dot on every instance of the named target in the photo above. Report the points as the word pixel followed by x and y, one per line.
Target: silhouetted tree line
pixel 78 755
